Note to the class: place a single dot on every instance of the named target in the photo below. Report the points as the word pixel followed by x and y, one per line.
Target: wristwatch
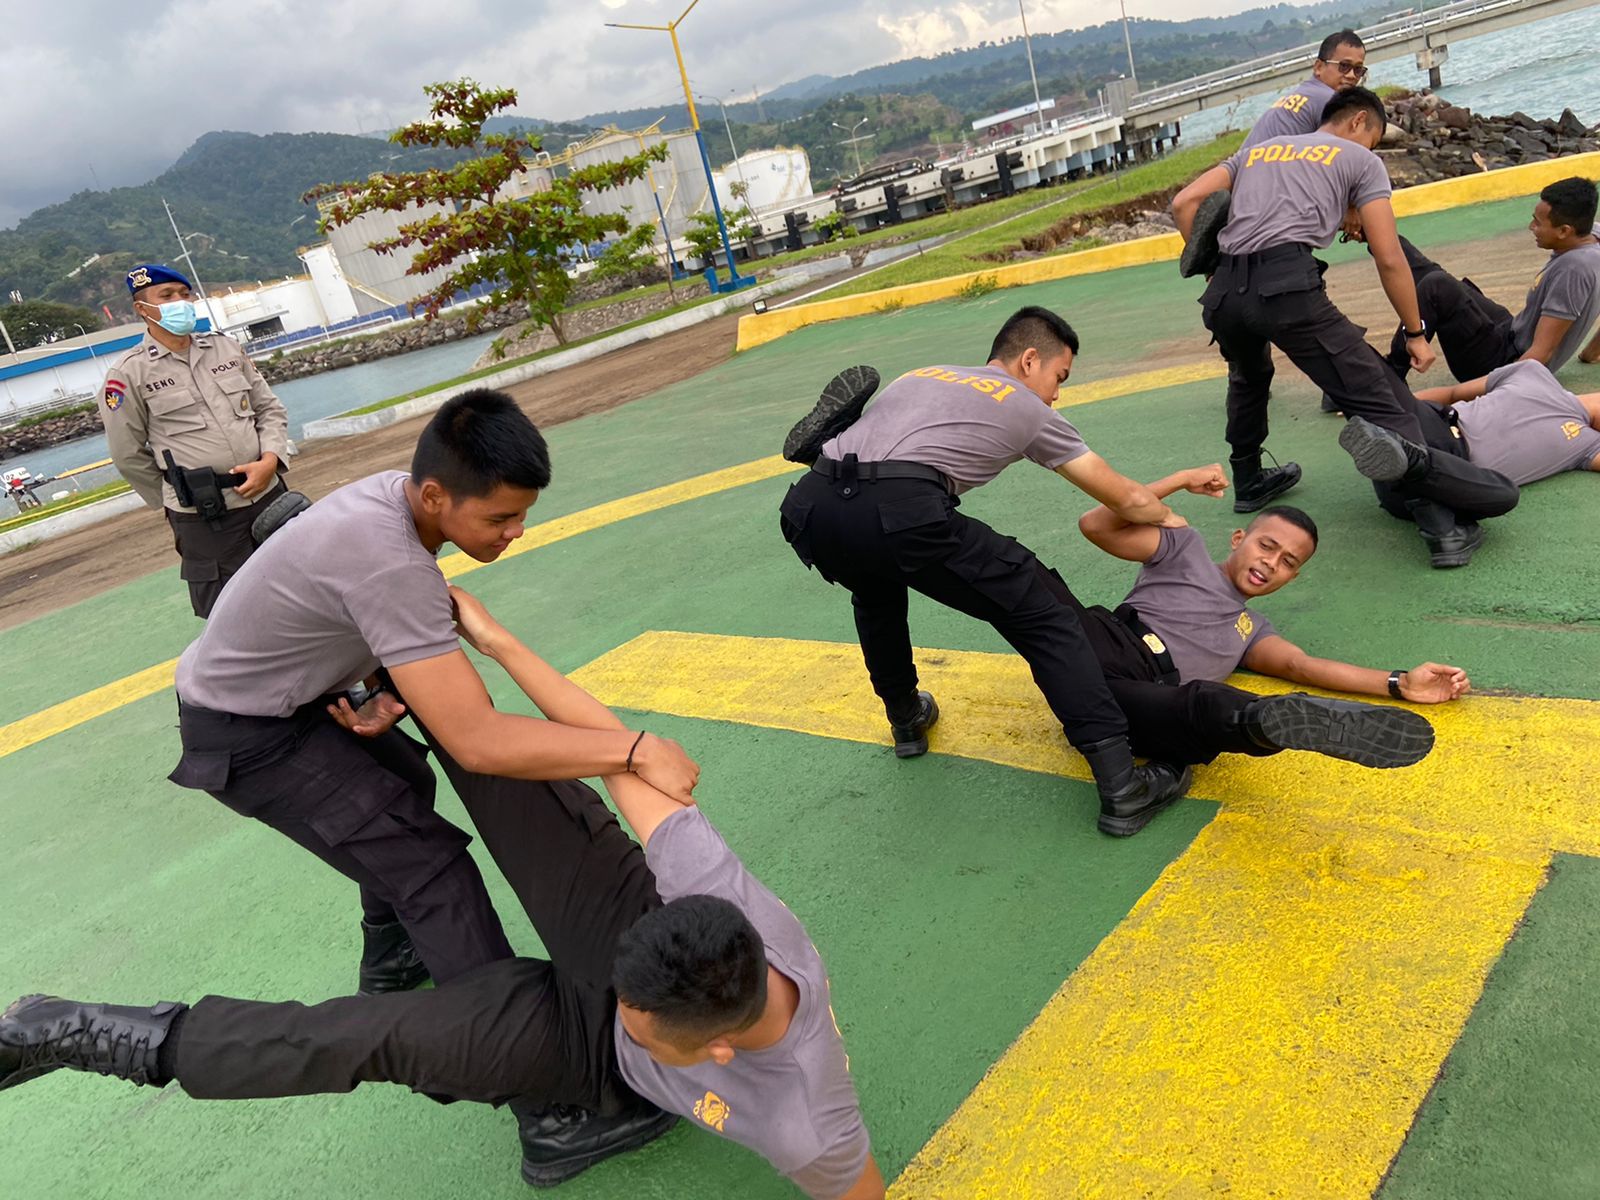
pixel 1394 685
pixel 1423 332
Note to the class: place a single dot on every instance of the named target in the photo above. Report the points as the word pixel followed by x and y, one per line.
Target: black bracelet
pixel 1394 685
pixel 640 738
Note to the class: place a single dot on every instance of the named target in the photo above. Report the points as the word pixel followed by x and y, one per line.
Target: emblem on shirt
pixel 117 392
pixel 1245 626
pixel 1572 429
pixel 713 1110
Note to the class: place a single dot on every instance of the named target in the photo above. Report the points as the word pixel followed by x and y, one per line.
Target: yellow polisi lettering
pixel 1333 153
pixel 1273 154
pixel 1254 155
pixel 1000 396
pixel 1316 154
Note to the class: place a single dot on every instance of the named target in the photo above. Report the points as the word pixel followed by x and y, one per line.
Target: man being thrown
pixel 877 514
pixel 1187 625
pixel 674 976
pixel 1288 196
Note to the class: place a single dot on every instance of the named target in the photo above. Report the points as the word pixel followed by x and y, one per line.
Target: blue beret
pixel 151 274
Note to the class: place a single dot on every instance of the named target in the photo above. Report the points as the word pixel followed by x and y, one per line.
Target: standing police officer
pixel 1289 195
pixel 195 430
pixel 877 514
pixel 1341 64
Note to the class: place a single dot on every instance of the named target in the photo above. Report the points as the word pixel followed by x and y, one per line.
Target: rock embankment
pixel 23 439
pixel 1431 139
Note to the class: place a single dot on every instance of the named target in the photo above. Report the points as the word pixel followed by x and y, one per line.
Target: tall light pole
pixel 184 247
pixel 85 336
pixel 737 165
pixel 735 280
pixel 1127 40
pixel 853 141
pixel 1027 42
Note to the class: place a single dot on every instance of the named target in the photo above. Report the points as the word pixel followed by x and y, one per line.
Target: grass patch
pixel 104 492
pixel 978 286
pixel 72 410
pixel 967 255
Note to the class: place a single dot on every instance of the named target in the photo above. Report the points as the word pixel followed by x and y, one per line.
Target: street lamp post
pixel 735 280
pixel 85 336
pixel 1027 41
pixel 734 150
pixel 853 141
pixel 1127 40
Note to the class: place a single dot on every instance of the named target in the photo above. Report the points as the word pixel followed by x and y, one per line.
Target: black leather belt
pixel 852 470
pixel 1270 254
pixel 1129 616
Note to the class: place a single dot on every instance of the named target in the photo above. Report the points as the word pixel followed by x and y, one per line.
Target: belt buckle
pixel 1155 644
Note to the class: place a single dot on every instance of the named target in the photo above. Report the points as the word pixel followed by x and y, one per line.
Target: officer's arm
pixel 1455 393
pixel 448 696
pixel 272 419
pixel 1127 498
pixel 1429 683
pixel 128 439
pixel 1547 335
pixel 1137 543
pixel 1377 218
pixel 1187 202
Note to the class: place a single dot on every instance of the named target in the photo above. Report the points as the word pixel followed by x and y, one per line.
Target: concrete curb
pixel 1504 184
pixel 346 426
pixel 78 518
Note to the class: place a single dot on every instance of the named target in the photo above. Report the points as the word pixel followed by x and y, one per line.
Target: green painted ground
pixel 949 897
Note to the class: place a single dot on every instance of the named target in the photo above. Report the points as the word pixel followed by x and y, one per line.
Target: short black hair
pixel 478 441
pixel 1331 43
pixel 696 965
pixel 1346 102
pixel 1572 202
pixel 1032 327
pixel 1296 517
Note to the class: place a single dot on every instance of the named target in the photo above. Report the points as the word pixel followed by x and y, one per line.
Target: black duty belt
pixel 851 471
pixel 1129 616
pixel 1270 254
pixel 1452 419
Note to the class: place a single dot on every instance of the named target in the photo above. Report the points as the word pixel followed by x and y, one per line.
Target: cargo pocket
pixel 794 514
pixel 1288 278
pixel 999 568
pixel 1351 359
pixel 386 827
pixel 913 512
pixel 199 570
pixel 203 770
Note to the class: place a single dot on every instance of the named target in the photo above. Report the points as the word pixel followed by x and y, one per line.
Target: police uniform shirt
pixel 1189 602
pixel 1293 114
pixel 1567 288
pixel 1297 190
pixel 345 587
pixel 1527 425
pixel 969 422
pixel 793 1103
pixel 211 408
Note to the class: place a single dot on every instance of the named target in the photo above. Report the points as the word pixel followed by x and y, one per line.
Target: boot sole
pixel 1377 453
pixel 1128 826
pixel 409 983
pixel 850 388
pixel 917 747
pixel 550 1173
pixel 1257 503
pixel 1372 735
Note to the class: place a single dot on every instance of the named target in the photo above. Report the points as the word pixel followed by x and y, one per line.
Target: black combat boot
pixel 1374 735
pixel 560 1141
pixel 1383 455
pixel 389 961
pixel 1130 795
pixel 1449 544
pixel 40 1034
pixel 1254 487
pixel 911 735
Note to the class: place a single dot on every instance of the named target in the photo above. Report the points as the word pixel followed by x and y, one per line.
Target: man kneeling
pixel 1186 626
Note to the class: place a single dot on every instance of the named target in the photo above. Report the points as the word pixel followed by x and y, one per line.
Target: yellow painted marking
pixel 29 730
pixel 1269 1017
pixel 756 329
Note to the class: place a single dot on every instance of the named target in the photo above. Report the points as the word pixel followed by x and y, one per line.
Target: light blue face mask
pixel 178 317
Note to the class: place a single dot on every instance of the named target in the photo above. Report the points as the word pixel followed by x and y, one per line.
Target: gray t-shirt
pixel 1527 425
pixel 1567 288
pixel 342 589
pixel 793 1103
pixel 1189 602
pixel 969 422
pixel 1293 114
pixel 1296 189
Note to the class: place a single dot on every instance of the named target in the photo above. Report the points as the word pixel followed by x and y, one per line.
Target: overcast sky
pixel 102 93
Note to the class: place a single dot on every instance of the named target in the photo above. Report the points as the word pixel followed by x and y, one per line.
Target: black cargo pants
pixel 1472 331
pixel 888 537
pixel 209 557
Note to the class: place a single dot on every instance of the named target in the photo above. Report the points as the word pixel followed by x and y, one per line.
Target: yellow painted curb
pixel 757 329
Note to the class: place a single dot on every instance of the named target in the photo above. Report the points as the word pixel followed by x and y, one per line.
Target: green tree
pixel 631 254
pixel 705 239
pixel 35 322
pixel 518 245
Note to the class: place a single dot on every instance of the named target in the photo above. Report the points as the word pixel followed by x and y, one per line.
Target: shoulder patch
pixel 116 393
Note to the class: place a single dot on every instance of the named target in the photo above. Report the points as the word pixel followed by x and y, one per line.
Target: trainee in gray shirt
pixel 1527 425
pixel 793 1103
pixel 969 422
pixel 1190 603
pixel 1292 114
pixel 1567 288
pixel 1296 189
pixel 342 589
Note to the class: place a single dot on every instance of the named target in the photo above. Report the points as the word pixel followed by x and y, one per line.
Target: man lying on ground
pixel 674 977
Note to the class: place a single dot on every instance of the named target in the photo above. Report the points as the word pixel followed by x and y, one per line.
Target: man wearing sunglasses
pixel 1341 64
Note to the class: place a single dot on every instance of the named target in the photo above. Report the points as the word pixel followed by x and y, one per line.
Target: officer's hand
pixel 1351 228
pixel 376 716
pixel 1206 481
pixel 473 622
pixel 1172 521
pixel 1421 354
pixel 258 476
pixel 1434 683
pixel 662 764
